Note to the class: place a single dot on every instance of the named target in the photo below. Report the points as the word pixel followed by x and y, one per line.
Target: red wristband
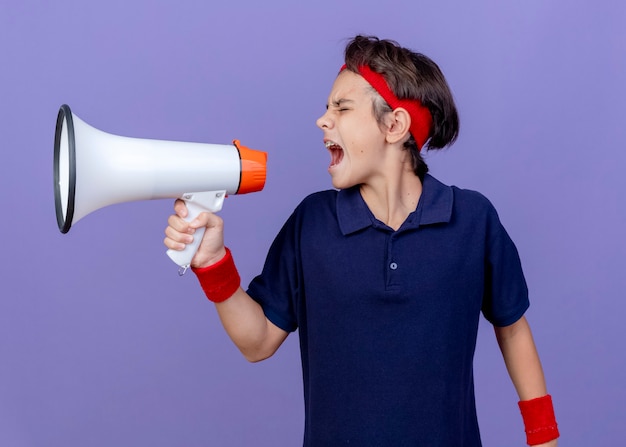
pixel 220 280
pixel 539 421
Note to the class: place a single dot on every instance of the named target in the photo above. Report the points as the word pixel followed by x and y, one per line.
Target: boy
pixel 386 276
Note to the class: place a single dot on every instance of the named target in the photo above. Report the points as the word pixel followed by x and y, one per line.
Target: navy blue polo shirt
pixel 388 319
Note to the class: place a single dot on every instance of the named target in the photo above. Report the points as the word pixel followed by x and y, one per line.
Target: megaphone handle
pixel 196 203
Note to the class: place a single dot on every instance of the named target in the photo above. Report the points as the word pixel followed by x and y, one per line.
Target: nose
pixel 324 121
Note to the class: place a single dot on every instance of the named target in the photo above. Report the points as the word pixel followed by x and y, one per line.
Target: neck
pixel 393 198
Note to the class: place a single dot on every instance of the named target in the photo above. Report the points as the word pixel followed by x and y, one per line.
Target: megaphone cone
pixel 94 169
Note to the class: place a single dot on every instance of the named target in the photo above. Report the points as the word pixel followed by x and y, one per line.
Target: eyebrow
pixel 339 102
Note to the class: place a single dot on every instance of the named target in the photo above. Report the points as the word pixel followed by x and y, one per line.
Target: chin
pixel 339 184
pixel 336 183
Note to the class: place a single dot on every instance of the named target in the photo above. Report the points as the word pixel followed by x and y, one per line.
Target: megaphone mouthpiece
pixel 253 169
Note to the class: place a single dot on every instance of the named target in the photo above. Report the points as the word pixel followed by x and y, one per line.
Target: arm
pixel 522 361
pixel 242 317
pixel 256 337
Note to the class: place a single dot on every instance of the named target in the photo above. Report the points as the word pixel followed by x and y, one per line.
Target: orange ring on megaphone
pixel 253 169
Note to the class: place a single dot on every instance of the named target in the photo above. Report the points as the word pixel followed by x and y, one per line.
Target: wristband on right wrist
pixel 539 420
pixel 220 280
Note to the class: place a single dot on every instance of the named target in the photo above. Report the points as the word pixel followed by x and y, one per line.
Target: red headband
pixel 421 118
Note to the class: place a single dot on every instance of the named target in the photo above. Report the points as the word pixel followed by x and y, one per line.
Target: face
pixel 352 135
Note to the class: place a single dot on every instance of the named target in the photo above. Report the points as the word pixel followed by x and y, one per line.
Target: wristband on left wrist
pixel 539 420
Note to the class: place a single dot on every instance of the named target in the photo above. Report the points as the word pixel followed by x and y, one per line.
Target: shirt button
pixel 393 266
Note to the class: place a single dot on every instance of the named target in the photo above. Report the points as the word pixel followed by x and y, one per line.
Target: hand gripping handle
pixel 197 203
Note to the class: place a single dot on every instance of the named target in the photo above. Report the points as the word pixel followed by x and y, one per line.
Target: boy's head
pixel 409 76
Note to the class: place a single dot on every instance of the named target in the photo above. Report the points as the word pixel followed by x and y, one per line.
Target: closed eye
pixel 340 104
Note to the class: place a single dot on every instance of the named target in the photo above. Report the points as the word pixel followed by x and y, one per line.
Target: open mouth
pixel 336 153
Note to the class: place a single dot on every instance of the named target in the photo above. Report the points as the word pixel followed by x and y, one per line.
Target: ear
pixel 398 126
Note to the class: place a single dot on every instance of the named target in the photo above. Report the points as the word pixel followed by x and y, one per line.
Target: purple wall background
pixel 101 343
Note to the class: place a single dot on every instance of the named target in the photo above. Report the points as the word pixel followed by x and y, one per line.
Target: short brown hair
pixel 410 75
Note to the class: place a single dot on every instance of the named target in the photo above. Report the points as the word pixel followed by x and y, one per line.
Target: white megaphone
pixel 94 169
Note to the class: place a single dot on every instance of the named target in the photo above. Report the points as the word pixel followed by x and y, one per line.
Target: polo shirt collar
pixel 435 206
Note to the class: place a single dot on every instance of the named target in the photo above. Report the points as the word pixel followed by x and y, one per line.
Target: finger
pixel 173 245
pixel 181 208
pixel 179 224
pixel 177 236
pixel 207 219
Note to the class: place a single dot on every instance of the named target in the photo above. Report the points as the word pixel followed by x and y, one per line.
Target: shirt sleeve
pixel 505 298
pixel 277 288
